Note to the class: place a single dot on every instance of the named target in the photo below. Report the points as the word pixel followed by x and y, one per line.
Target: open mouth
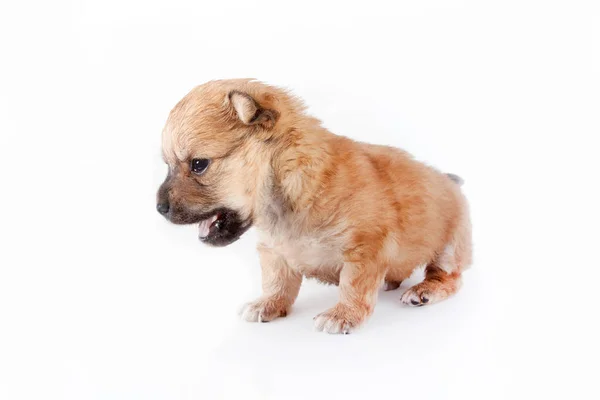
pixel 208 225
pixel 222 227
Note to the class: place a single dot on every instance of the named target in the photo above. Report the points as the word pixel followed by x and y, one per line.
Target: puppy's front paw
pixel 263 310
pixel 339 319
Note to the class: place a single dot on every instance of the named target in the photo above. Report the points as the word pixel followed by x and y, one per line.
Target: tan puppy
pixel 241 153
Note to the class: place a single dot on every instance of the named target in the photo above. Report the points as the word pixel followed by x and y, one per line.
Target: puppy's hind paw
pixel 262 310
pixel 431 290
pixel 416 296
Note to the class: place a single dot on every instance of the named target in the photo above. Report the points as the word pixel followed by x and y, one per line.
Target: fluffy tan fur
pixel 347 213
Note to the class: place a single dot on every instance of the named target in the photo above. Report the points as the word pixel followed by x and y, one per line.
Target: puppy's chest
pixel 307 253
pixel 310 250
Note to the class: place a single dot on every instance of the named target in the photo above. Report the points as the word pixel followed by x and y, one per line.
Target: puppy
pixel 242 153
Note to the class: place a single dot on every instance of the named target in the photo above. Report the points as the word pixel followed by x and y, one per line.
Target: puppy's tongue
pixel 204 226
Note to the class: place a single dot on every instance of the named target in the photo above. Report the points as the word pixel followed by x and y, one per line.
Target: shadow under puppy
pixel 242 153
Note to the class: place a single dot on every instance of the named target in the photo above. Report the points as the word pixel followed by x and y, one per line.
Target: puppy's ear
pixel 250 112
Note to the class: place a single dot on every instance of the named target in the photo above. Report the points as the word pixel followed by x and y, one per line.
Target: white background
pixel 100 298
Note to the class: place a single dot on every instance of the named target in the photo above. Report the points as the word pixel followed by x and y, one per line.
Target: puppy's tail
pixel 457 179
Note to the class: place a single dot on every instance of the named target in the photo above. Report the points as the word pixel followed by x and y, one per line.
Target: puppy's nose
pixel 162 208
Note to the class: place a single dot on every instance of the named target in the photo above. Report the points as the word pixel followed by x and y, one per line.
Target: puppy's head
pixel 217 145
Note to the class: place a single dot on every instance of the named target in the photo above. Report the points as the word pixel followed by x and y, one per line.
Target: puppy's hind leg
pixel 443 275
pixel 437 285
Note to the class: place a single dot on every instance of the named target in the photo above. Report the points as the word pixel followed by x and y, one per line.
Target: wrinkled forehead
pixel 176 143
pixel 195 130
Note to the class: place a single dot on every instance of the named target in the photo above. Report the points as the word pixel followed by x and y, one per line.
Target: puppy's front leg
pixel 359 284
pixel 280 286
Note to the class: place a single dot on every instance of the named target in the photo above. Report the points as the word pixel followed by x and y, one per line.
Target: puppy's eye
pixel 199 165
